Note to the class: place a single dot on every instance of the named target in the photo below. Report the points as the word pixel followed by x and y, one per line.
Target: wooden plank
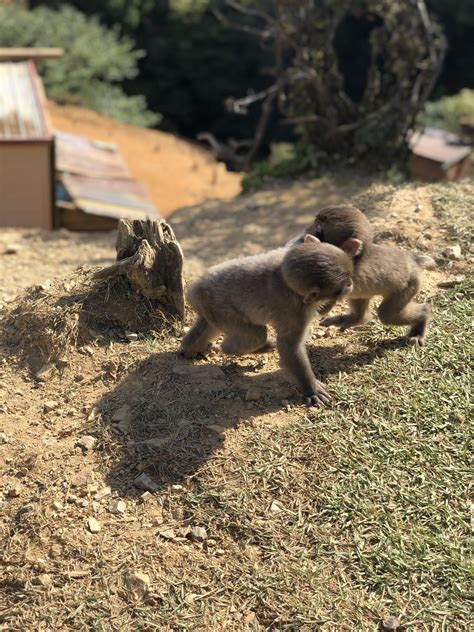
pixel 30 53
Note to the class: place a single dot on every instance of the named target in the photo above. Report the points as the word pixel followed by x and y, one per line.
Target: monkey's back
pixel 383 270
pixel 249 287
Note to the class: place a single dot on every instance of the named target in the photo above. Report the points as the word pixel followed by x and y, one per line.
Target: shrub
pixel 96 59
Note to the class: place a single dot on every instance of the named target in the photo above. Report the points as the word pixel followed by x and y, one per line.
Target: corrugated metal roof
pixel 22 115
pixel 109 198
pixel 77 154
pixel 439 146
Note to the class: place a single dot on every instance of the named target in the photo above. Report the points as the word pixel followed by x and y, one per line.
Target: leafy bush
pixel 96 59
pixel 447 112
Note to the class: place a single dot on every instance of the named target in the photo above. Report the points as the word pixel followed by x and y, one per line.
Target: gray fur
pixel 285 288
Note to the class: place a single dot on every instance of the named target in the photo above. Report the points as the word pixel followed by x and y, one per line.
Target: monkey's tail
pixel 428 263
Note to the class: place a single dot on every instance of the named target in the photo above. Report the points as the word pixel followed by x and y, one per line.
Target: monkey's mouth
pixel 315 229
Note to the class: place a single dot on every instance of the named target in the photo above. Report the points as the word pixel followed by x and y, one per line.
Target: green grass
pixel 374 491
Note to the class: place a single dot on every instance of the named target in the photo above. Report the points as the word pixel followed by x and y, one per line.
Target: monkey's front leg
pixel 356 316
pixel 295 359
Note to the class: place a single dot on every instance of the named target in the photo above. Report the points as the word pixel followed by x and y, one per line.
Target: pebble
pixel 102 493
pixel 391 624
pixel 4 438
pixel 131 336
pixel 145 482
pixel 118 507
pixel 451 282
pixel 253 394
pixel 452 252
pixel 138 582
pixel 50 405
pixel 86 442
pixel 93 525
pixel 44 373
pixel 14 491
pixel 12 249
pixel 276 506
pixel 58 506
pixel 146 497
pixel 44 580
pixel 167 534
pixel 198 534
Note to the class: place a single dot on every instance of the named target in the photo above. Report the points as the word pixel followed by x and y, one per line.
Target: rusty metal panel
pixel 438 146
pixel 22 112
pixel 79 155
pixel 109 198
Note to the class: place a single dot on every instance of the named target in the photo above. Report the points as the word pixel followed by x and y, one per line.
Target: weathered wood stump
pixel 150 257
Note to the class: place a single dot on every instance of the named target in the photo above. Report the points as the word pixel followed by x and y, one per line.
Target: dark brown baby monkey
pixel 386 271
pixel 285 288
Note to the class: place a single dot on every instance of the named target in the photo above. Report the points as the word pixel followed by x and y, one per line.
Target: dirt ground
pixel 82 548
pixel 175 172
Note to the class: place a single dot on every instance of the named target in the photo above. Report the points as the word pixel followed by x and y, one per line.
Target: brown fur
pixel 386 271
pixel 285 288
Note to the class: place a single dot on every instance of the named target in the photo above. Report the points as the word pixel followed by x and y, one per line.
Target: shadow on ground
pixel 170 415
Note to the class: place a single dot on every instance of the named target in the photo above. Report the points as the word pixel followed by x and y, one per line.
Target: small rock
pixel 58 506
pixel 50 405
pixel 82 478
pixel 14 491
pixel 122 414
pixel 118 507
pixel 276 506
pixel 138 583
pixel 253 394
pixel 198 534
pixel 176 488
pixel 4 438
pixel 102 493
pixel 216 428
pixel 12 249
pixel 93 525
pixel 391 624
pixel 167 534
pixel 452 281
pixel 131 336
pixel 44 580
pixel 452 252
pixel 44 373
pixel 146 483
pixel 146 497
pixel 157 518
pixel 86 442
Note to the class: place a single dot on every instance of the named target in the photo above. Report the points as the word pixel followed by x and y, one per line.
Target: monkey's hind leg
pixel 198 338
pixel 241 337
pixel 399 309
pixel 356 316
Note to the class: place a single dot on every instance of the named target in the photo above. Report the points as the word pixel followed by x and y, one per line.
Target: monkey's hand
pixel 319 397
pixel 343 322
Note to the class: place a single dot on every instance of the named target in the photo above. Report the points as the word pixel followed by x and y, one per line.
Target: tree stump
pixel 150 257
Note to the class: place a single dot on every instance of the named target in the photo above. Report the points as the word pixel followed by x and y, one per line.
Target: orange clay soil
pixel 175 172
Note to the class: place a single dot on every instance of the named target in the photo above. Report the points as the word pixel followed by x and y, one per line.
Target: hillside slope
pixel 175 172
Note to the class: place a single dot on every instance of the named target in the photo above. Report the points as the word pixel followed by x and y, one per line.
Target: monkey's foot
pixel 343 322
pixel 416 341
pixel 319 398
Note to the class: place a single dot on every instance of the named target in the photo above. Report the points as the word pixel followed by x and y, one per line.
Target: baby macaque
pixel 285 288
pixel 379 270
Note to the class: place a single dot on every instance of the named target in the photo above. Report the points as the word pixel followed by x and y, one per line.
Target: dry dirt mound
pixel 175 172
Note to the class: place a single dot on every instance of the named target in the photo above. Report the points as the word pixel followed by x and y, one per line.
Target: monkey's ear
pixel 352 246
pixel 311 239
pixel 313 294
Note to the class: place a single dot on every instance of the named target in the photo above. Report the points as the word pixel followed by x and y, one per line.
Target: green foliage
pixel 96 59
pixel 447 112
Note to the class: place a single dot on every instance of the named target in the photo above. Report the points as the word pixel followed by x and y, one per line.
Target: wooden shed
pixel 26 149
pixel 438 155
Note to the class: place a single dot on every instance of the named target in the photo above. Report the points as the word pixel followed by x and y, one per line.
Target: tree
pixel 404 51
